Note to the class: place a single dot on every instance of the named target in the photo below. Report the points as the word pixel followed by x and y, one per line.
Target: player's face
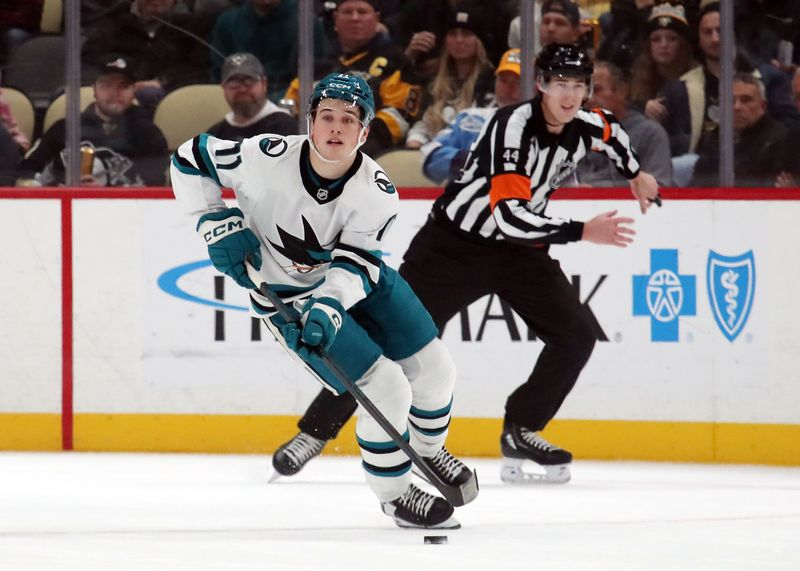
pixel 562 97
pixel 246 95
pixel 709 36
pixel 461 44
pixel 748 105
pixel 665 46
pixel 557 29
pixel 113 94
pixel 356 22
pixel 507 89
pixel 335 128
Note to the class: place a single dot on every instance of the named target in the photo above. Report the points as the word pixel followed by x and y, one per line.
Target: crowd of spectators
pixel 438 68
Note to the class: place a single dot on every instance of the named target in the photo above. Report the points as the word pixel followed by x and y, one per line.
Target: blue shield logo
pixel 731 284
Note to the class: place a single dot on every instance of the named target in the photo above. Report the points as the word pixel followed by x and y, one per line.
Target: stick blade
pixel 463 494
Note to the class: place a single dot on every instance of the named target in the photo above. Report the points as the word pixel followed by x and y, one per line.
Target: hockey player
pixel 311 214
pixel 489 233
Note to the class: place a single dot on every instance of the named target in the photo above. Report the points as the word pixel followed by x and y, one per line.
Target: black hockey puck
pixel 435 539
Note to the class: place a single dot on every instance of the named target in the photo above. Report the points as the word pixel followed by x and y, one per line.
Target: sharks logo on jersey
pixel 273 146
pixel 383 182
pixel 305 252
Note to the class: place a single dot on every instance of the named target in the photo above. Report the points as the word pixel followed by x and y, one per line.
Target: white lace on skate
pixel 447 465
pixel 417 501
pixel 511 471
pixel 533 438
pixel 303 447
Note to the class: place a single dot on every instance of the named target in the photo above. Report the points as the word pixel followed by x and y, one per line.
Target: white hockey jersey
pixel 318 237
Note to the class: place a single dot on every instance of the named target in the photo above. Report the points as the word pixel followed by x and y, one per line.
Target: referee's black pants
pixel 449 272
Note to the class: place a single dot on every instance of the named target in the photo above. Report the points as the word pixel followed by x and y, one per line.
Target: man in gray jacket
pixel 647 136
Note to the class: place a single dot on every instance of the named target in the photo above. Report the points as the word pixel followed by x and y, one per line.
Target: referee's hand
pixel 645 190
pixel 610 229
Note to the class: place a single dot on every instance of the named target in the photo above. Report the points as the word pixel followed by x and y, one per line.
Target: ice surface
pixel 81 511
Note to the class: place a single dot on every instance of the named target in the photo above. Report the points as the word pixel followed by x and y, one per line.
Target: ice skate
pixel 290 458
pixel 452 472
pixel 419 509
pixel 519 444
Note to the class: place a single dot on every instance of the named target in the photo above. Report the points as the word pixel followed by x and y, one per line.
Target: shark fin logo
pixel 305 252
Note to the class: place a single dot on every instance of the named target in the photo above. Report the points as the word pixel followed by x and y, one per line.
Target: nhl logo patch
pixel 731 284
pixel 322 194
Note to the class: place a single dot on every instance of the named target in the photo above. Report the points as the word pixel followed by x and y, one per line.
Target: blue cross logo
pixel 664 295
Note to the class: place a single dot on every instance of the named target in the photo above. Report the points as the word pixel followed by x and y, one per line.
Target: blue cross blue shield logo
pixel 731 284
pixel 664 295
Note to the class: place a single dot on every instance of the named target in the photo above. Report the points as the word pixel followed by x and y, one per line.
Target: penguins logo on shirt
pixel 273 146
pixel 383 182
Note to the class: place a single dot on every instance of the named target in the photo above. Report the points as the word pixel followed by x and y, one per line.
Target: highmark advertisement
pixel 681 318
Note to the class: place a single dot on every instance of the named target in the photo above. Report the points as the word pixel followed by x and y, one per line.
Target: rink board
pixel 162 355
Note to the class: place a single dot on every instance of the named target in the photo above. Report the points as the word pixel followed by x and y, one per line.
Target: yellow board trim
pixel 30 431
pixel 776 444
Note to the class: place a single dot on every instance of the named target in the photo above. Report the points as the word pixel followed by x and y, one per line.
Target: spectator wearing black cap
pixel 465 78
pixel 127 148
pixel 559 23
pixel 666 56
pixel 252 113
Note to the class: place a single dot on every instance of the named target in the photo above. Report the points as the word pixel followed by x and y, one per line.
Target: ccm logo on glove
pixel 218 232
pixel 230 244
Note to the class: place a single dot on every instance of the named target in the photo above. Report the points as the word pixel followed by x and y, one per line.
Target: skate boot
pixel 452 472
pixel 419 509
pixel 290 458
pixel 519 444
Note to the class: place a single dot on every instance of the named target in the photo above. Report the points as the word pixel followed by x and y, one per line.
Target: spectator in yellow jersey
pixel 363 51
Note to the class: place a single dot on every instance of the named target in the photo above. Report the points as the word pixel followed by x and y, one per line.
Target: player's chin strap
pixel 361 140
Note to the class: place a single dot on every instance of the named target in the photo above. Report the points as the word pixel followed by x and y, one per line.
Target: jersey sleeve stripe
pixel 606 124
pixel 373 257
pixel 508 186
pixel 183 165
pixel 202 158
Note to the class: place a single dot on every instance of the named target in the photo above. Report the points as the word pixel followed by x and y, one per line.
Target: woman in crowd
pixel 465 79
pixel 667 56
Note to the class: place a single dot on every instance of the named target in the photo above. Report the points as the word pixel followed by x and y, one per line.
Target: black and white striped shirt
pixel 514 166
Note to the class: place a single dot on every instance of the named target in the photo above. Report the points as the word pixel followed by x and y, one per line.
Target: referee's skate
pixel 519 444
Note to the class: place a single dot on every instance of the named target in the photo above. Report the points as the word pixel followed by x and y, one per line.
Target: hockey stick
pixel 456 495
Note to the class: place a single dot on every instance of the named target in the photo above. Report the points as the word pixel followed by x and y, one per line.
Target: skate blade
pixel 275 475
pixel 512 473
pixel 449 523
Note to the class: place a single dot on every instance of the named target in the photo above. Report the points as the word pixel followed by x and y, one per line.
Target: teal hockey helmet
pixel 347 87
